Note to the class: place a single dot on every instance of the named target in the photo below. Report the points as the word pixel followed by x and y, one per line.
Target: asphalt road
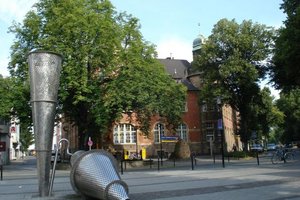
pixel 241 179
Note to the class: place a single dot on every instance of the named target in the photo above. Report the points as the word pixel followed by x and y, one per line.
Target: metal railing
pixel 55 161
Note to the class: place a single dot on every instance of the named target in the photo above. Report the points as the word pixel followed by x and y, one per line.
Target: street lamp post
pixel 136 142
pixel 161 153
pixel 220 128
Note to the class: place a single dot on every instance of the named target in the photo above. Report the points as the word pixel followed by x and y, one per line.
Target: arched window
pixel 159 130
pixel 181 131
pixel 124 134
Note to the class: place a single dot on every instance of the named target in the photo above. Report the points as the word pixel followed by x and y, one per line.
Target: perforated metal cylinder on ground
pixel 75 156
pixel 44 71
pixel 94 174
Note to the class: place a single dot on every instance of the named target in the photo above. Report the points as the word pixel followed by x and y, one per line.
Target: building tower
pixel 211 140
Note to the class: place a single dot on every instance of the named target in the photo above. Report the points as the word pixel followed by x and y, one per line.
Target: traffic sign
pixel 220 124
pixel 90 143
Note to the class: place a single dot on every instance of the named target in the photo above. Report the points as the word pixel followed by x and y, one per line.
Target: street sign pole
pixel 90 143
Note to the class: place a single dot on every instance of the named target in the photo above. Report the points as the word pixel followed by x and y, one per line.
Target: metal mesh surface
pixel 94 174
pixel 44 71
pixel 75 156
pixel 116 190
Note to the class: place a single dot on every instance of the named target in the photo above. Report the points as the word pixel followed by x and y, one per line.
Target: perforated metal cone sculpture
pixel 44 71
pixel 94 174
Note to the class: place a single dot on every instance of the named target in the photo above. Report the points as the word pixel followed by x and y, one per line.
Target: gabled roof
pixel 176 68
pixel 189 85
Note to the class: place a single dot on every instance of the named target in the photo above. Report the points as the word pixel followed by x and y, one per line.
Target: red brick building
pixel 126 136
pixel 199 126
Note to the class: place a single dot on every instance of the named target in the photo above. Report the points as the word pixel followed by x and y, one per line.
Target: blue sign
pixel 169 138
pixel 220 124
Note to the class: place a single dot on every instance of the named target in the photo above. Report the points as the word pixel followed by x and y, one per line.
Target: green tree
pixel 108 68
pixel 26 137
pixel 285 72
pixel 5 98
pixel 14 104
pixel 289 104
pixel 268 116
pixel 232 61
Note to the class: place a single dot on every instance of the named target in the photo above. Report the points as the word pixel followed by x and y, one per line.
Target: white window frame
pixel 182 132
pixel 124 134
pixel 157 133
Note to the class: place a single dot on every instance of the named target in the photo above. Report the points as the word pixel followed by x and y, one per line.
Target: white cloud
pixel 176 48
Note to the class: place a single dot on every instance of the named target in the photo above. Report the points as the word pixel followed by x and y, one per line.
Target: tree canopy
pixel 289 104
pixel 5 98
pixel 108 67
pixel 268 115
pixel 13 103
pixel 232 61
pixel 285 71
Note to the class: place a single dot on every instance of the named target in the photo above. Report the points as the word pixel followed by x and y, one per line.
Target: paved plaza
pixel 240 179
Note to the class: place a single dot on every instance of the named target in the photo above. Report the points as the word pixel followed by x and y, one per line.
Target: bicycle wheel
pixel 289 156
pixel 276 158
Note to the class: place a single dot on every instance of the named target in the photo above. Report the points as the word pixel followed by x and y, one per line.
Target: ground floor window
pixel 159 130
pixel 124 134
pixel 181 131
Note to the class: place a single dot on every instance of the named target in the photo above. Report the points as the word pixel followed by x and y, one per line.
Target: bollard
pixel 157 163
pixel 257 158
pixel 1 167
pixel 174 160
pixel 161 158
pixel 1 171
pixel 94 175
pixel 124 159
pixel 122 166
pixel 192 159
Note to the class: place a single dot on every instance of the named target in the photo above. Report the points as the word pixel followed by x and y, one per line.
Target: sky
pixel 171 25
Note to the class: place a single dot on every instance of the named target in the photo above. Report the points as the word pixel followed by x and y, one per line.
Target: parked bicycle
pixel 282 155
pixel 134 156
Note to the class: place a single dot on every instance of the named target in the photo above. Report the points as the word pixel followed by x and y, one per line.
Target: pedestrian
pixel 234 148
